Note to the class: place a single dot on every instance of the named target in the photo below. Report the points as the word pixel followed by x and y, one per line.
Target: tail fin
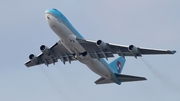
pixel 118 64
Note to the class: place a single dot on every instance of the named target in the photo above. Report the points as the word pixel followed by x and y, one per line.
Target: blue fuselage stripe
pixel 63 19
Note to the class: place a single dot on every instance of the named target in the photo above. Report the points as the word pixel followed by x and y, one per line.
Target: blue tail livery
pixel 118 64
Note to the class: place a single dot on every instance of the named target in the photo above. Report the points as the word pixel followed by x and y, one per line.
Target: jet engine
pixel 45 49
pixel 102 45
pixel 33 58
pixel 134 50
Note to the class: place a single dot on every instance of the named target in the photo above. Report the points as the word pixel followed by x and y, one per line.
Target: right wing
pixel 57 51
pixel 106 50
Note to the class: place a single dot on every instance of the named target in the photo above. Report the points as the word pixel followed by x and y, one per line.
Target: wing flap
pixel 146 51
pixel 101 54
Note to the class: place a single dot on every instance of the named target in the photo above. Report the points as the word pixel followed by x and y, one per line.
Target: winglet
pixel 173 51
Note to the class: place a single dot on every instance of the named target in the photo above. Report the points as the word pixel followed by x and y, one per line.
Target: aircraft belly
pixel 97 67
pixel 68 39
pixel 73 45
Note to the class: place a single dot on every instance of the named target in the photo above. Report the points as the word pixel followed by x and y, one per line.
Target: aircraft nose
pixel 48 16
pixel 53 12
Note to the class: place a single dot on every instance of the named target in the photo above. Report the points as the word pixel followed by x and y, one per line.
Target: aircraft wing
pixel 103 50
pixel 121 50
pixel 57 51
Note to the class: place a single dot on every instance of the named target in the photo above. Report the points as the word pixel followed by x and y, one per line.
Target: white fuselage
pixel 69 41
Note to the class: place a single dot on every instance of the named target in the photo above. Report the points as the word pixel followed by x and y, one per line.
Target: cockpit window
pixel 63 17
pixel 55 9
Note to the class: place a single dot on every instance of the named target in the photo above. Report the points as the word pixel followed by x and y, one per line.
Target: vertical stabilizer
pixel 118 64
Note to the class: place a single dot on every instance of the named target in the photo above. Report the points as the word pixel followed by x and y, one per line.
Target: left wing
pixel 51 55
pixel 121 50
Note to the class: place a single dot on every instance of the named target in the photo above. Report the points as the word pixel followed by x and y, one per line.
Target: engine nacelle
pixel 45 49
pixel 33 58
pixel 102 45
pixel 134 50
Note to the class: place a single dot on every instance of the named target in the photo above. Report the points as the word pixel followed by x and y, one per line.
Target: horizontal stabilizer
pixel 103 81
pixel 129 78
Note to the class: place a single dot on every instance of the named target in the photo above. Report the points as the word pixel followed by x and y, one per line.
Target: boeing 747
pixel 73 46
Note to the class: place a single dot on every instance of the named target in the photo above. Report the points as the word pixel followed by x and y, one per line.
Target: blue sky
pixel 150 23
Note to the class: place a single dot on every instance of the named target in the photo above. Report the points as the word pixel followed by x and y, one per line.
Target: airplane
pixel 73 46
